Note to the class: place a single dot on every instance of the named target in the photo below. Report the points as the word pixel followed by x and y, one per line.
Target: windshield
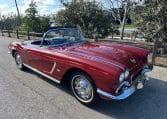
pixel 63 36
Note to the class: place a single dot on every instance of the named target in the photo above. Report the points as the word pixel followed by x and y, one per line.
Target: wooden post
pixel 28 34
pixel 9 33
pixel 112 33
pixel 2 33
pixel 96 37
pixel 17 34
pixel 154 50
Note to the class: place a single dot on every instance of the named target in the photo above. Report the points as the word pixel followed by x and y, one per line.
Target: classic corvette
pixel 93 70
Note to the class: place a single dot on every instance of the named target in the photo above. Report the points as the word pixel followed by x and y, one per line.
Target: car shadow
pixel 148 103
pixel 63 87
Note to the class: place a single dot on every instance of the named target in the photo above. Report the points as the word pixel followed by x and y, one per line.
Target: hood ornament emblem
pixel 132 60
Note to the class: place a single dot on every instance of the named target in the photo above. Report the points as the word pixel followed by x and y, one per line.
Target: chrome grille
pixel 136 75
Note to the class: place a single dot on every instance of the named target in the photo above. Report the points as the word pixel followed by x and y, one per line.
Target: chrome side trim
pixel 126 93
pixel 53 68
pixel 45 75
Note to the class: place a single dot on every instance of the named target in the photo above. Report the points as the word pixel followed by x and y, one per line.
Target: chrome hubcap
pixel 82 87
pixel 19 61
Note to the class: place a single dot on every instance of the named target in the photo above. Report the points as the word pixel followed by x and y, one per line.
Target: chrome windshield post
pixel 43 38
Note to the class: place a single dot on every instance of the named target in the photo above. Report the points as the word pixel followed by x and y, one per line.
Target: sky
pixel 44 6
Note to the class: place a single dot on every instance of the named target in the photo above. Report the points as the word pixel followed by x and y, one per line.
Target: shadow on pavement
pixel 148 103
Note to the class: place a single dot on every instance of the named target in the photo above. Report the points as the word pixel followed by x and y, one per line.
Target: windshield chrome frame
pixel 45 34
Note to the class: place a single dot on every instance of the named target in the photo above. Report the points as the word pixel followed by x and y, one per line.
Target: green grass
pixel 130 26
pixel 126 26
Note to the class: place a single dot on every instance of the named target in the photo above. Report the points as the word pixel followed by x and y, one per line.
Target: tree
pixel 44 23
pixel 152 19
pixel 152 22
pixel 120 9
pixel 33 22
pixel 89 16
pixel 9 22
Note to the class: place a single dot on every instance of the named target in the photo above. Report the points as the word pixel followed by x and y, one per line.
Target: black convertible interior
pixel 50 42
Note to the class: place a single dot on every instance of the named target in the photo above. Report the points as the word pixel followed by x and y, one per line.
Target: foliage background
pixel 88 16
pixel 152 19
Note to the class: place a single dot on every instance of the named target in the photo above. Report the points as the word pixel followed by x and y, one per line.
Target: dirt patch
pixel 161 61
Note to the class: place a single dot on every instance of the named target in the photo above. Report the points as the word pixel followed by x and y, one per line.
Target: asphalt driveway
pixel 26 95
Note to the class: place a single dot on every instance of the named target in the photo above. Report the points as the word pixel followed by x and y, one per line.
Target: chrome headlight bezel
pixel 126 74
pixel 123 76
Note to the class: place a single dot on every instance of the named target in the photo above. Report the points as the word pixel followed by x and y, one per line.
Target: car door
pixel 48 58
pixel 40 58
pixel 47 61
pixel 32 56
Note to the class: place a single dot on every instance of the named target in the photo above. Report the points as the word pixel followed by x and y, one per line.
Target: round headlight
pixel 121 77
pixel 126 73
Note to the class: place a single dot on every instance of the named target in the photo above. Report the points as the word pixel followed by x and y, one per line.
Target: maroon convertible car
pixel 93 70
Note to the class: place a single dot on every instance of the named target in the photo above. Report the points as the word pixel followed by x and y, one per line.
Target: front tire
pixel 83 88
pixel 19 61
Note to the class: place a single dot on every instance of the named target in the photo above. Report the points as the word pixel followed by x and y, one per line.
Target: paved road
pixel 29 96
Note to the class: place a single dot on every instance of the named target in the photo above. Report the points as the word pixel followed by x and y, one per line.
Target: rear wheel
pixel 19 61
pixel 83 88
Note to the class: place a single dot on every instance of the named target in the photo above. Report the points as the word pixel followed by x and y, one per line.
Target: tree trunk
pixel 9 33
pixel 2 33
pixel 28 34
pixel 112 33
pixel 154 51
pixel 19 19
pixel 17 34
pixel 123 22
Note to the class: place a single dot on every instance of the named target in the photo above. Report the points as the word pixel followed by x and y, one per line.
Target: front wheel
pixel 19 61
pixel 83 88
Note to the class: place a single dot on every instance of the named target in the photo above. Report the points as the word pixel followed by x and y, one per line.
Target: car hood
pixel 120 56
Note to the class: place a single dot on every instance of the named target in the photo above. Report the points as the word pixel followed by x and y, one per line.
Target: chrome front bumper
pixel 129 90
